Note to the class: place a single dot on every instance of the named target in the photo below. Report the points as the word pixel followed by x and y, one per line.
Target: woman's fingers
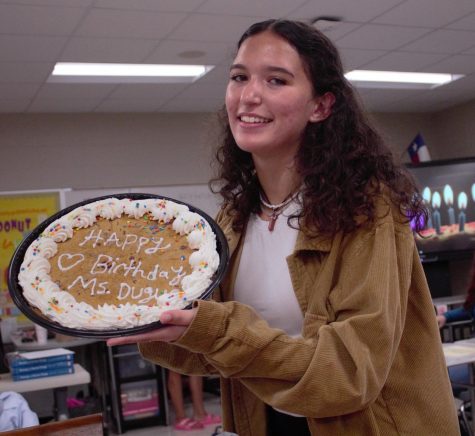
pixel 178 317
pixel 176 323
pixel 165 334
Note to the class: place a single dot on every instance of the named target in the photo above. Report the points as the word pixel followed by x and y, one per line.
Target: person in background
pixel 467 311
pixel 324 324
pixel 200 417
pixel 461 373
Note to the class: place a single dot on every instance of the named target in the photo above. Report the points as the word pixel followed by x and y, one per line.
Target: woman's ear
pixel 323 107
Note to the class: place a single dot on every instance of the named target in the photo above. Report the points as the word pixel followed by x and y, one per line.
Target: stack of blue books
pixel 37 364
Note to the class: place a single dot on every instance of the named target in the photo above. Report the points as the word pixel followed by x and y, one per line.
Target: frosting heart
pixel 70 261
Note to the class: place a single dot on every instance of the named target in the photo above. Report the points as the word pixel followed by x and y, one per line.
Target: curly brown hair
pixel 342 161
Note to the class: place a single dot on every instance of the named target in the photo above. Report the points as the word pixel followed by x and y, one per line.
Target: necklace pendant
pixel 273 219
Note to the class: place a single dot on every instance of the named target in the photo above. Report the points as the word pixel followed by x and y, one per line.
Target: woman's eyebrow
pixel 270 68
pixel 237 67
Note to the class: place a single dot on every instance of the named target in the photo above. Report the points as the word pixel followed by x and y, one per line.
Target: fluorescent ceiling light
pixel 69 72
pixel 399 79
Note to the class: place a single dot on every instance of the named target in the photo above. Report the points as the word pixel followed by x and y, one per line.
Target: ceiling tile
pixel 107 50
pixel 24 72
pixel 168 51
pixel 262 8
pixel 74 91
pixel 159 30
pixel 426 13
pixel 375 36
pixel 128 24
pixel 38 20
pixel 207 28
pixel 16 105
pixel 139 91
pixel 203 90
pixel 18 90
pixel 355 58
pixel 56 105
pixel 443 41
pixel 30 48
pixel 63 3
pixel 338 30
pixel 219 75
pixel 150 5
pixel 388 95
pixel 458 64
pixel 463 87
pixel 465 23
pixel 404 61
pixel 192 105
pixel 470 51
pixel 128 105
pixel 361 12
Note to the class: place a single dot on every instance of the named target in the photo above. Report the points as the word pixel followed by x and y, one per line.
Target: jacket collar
pixel 316 243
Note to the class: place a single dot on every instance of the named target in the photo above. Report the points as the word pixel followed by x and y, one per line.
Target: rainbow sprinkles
pixel 119 263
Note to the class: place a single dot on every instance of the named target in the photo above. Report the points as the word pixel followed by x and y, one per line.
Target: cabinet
pixel 138 393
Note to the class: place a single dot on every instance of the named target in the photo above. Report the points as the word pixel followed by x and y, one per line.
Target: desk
pixel 93 358
pixel 58 383
pixel 460 353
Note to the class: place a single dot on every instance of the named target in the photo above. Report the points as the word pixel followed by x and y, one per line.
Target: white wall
pixel 455 130
pixel 102 151
pixel 41 151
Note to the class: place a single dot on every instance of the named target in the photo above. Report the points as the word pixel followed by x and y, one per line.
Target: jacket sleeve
pixel 179 359
pixel 176 358
pixel 343 367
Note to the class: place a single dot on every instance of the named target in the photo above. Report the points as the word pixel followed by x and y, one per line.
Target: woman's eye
pixel 238 77
pixel 277 81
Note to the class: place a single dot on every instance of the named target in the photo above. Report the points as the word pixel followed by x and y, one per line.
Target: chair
pixel 465 425
pixel 90 425
pixel 457 330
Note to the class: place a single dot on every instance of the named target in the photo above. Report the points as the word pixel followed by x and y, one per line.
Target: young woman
pixel 324 324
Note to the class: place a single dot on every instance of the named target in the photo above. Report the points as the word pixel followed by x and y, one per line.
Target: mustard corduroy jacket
pixel 369 361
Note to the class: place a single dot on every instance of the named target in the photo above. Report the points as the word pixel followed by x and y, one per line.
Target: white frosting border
pixel 60 306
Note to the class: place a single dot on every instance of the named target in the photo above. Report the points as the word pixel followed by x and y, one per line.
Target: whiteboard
pixel 198 196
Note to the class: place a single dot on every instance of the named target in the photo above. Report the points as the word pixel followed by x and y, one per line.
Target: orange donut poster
pixel 20 213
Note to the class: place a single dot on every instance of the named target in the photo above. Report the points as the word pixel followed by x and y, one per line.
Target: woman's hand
pixel 177 322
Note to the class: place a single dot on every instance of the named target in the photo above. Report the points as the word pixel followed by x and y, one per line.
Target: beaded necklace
pixel 277 209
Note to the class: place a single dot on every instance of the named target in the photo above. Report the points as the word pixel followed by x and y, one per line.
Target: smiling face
pixel 269 98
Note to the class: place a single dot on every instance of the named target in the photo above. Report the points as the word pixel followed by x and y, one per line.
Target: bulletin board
pixel 20 213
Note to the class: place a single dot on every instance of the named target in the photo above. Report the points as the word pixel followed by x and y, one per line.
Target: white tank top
pixel 263 278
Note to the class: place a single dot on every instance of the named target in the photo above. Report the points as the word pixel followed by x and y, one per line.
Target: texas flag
pixel 418 150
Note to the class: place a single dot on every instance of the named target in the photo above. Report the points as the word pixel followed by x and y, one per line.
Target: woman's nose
pixel 251 94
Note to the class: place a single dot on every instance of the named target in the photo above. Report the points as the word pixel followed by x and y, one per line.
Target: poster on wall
pixel 20 213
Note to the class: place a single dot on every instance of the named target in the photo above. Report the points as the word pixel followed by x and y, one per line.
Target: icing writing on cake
pixel 130 240
pixel 142 256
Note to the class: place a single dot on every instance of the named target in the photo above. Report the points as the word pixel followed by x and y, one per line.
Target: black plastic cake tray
pixel 16 291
